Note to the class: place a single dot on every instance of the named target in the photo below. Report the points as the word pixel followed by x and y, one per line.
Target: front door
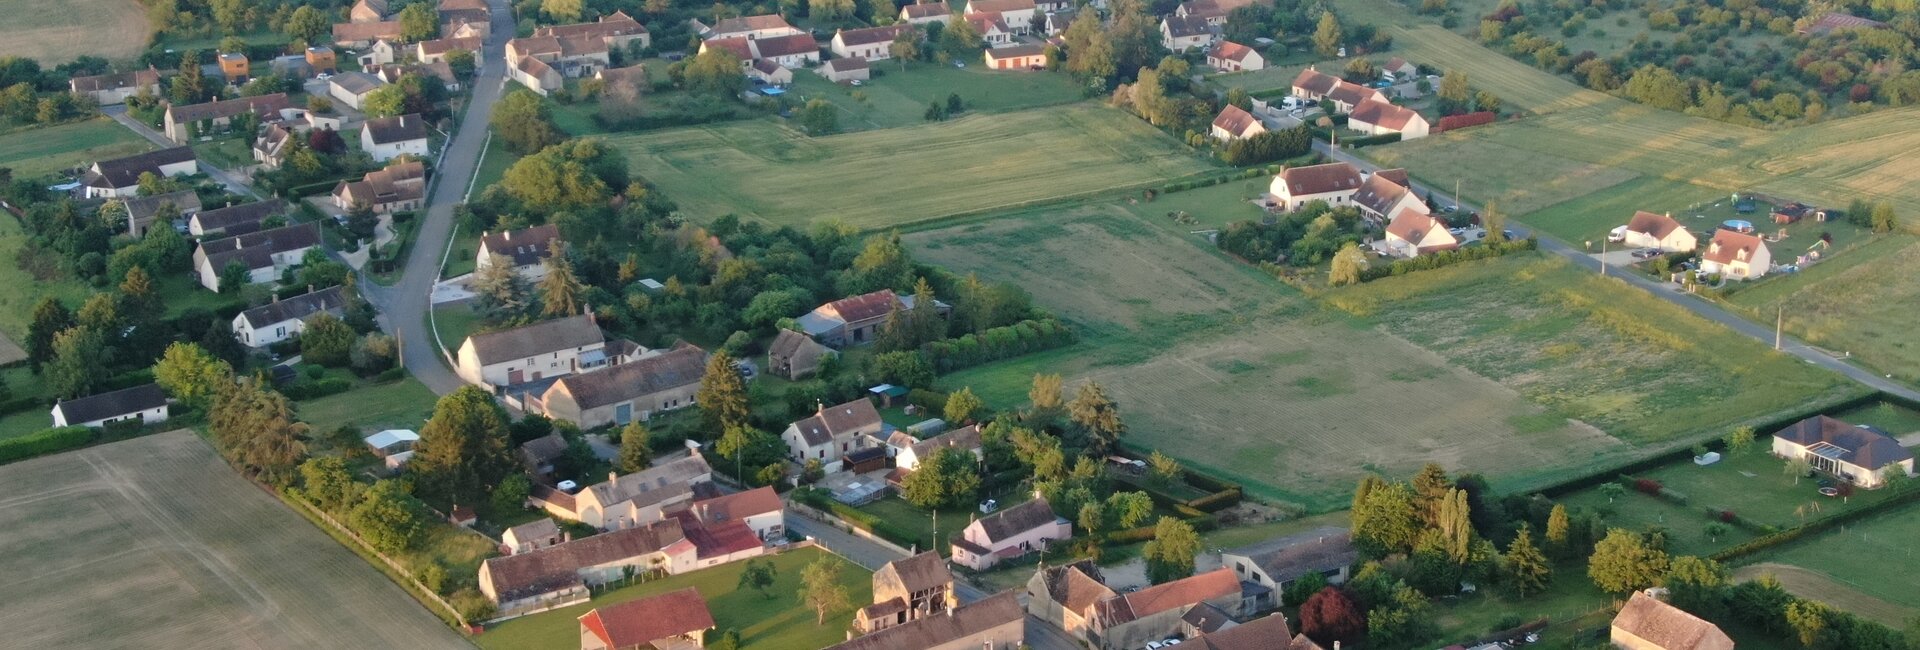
pixel 623 414
pixel 513 377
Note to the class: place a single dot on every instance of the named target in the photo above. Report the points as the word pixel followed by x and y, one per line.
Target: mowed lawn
pixel 58 31
pixel 39 152
pixel 1237 374
pixel 898 98
pixel 403 404
pixel 774 621
pixel 1515 182
pixel 890 177
pixel 156 542
pixel 1591 217
pixel 1862 557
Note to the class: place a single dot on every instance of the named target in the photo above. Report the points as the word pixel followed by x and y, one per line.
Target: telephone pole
pixel 1779 318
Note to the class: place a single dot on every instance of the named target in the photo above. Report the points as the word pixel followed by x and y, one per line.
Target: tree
pixel 1348 264
pixel 1658 87
pixel 1303 589
pixel 326 482
pixel 950 478
pixel 1495 223
pixel 635 453
pixel 560 289
pixel 902 368
pixel 522 120
pixel 960 38
pixel 1046 397
pixel 511 494
pixel 327 341
pixel 905 45
pixel 1331 616
pixel 1740 440
pixel 963 406
pixel 819 117
pixel 50 318
pixel 254 428
pixel 1623 562
pixel 576 175
pixel 502 291
pixel 1326 35
pixel 733 445
pixel 1884 220
pixel 820 588
pixel 1387 521
pixel 1808 619
pixel 1164 469
pixel 1694 584
pixel 1557 526
pixel 1455 525
pixel 191 375
pixel 723 394
pixel 82 363
pixel 1098 417
pixel 306 24
pixel 1455 92
pixel 463 451
pixel 1525 566
pixel 1170 554
pixel 1430 488
pixel 1132 509
pixel 389 518
pixel 234 277
pixel 1797 468
pixel 1406 620
pixel 714 72
pixel 419 22
pixel 1612 491
pixel 758 575
pixel 562 11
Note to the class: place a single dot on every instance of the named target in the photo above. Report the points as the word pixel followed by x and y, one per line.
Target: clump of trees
pixel 1303 237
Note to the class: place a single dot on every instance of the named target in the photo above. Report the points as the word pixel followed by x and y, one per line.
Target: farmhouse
pixel 1736 256
pixel 398 187
pixel 908 590
pixel 1383 199
pixel 1272 565
pixel 617 30
pixel 635 499
pixel 525 250
pixel 770 73
pixel 844 70
pixel 264 254
pixel 1025 56
pixel 145 403
pixel 367 11
pixel 832 432
pixel 1130 620
pixel 561 346
pixel 993 623
pixel 618 395
pixel 1235 123
pixel 1017 14
pixel 286 318
pixel 1314 85
pixel 676 619
pixel 387 138
pixel 856 320
pixel 1649 230
pixel 356 36
pixel 143 210
pixel 870 43
pixel 1859 454
pixel 909 453
pixel 1180 33
pixel 1265 633
pixel 111 89
pixel 1645 623
pixel 436 50
pixel 542 63
pixel 185 122
pixel 1294 187
pixel 536 75
pixel 1065 595
pixel 1009 533
pixel 1377 117
pixel 994 31
pixel 559 575
pixel 531 536
pixel 1228 56
pixel 120 177
pixel 794 356
pixel 927 12
pixel 234 219
pixel 1414 233
pixel 750 27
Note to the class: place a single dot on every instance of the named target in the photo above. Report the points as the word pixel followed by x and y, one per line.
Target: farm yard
pixel 58 31
pixel 892 177
pixel 156 542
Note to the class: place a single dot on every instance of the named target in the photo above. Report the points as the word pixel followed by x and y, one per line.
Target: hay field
pixel 155 543
pixel 883 178
pixel 58 31
pixel 1514 180
pixel 1233 372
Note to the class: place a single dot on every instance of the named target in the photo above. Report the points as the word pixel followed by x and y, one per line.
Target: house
pixel 234 66
pixel 1235 123
pixel 539 454
pixel 1413 233
pixel 286 318
pixel 758 511
pixel 1181 33
pixel 1399 69
pixel 466 20
pixel 526 250
pixel 770 73
pixel 1859 454
pixel 749 27
pixel 368 11
pixel 616 30
pixel 1736 256
pixel 387 138
pixel 1215 12
pixel 908 453
pixel 183 123
pixel 1272 565
pixel 393 446
pixel 870 43
pixel 792 51
pixel 1206 618
pixel 1055 22
pixel 908 590
pixel 794 356
pixel 351 88
pixel 120 177
pixel 531 536
pixel 543 62
pixel 627 391
pixel 436 50
pixel 536 75
pixel 381 52
pixel 399 187
pixel 670 621
pixel 322 60
pixel 356 36
pixel 560 575
pixel 832 432
pixel 1269 632
pixel 636 499
pixel 1382 199
pixel 1649 230
pixel 145 403
pixel 265 254
pixel 1376 117
pixel 994 31
pixel 143 210
pixel 993 623
pixel 927 12
pixel 1228 56
pixel 1064 595
pixel 1009 533
pixel 1313 85
pixel 1130 620
pixel 530 352
pixel 1294 187
pixel 845 70
pixel 856 320
pixel 1646 623
pixel 1025 56
pixel 1017 14
pixel 234 219
pixel 111 89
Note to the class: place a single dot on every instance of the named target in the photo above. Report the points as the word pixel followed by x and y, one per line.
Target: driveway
pixel 221 176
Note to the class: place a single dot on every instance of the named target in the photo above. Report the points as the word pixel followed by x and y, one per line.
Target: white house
pixel 908 452
pixel 560 575
pixel 1009 533
pixel 834 431
pixel 1649 230
pixel 633 388
pixel 994 30
pixel 531 536
pixel 526 250
pixel 1736 256
pixel 752 27
pixel 351 88
pixel 111 89
pixel 120 177
pixel 1181 33
pixel 398 186
pixel 870 43
pixel 1235 123
pixel 532 352
pixel 1228 56
pixel 145 403
pixel 264 254
pixel 843 70
pixel 1293 187
pixel 1377 117
pixel 1858 454
pixel 1018 14
pixel 285 318
pixel 1276 563
pixel 1313 85
pixel 1399 69
pixel 394 446
pixel 1385 195
pixel 626 501
pixel 927 12
pixel 387 138
pixel 1414 233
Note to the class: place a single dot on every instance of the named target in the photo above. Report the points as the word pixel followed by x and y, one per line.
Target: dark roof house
pixel 538 338
pixel 300 307
pixel 111 405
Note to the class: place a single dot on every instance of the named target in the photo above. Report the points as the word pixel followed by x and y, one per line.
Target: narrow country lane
pixel 119 114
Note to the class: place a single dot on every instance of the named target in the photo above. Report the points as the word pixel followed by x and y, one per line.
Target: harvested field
pixel 883 178
pixel 155 542
pixel 1520 85
pixel 58 31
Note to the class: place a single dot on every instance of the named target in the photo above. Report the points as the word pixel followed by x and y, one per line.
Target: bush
pixel 1217 501
pixel 1647 486
pixel 306 390
pixel 390 375
pixel 44 442
pixel 932 402
pixel 1447 258
pixel 998 343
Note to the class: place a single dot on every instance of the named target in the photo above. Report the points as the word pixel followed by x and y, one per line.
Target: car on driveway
pixel 1646 253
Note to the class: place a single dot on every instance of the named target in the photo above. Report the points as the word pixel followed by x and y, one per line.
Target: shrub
pixel 1647 486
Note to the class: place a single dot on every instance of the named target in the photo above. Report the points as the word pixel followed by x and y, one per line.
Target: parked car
pixel 1646 253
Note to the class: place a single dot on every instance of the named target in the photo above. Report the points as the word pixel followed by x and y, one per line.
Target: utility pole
pixel 1603 256
pixel 1779 318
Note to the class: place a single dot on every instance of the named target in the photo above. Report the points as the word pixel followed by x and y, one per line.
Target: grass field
pixel 895 98
pixel 1861 302
pixel 1858 556
pixel 1197 347
pixel 775 621
pixel 1889 417
pixel 155 542
pixel 39 152
pixel 876 179
pixel 58 31
pixel 1515 182
pixel 1810 584
pixel 403 404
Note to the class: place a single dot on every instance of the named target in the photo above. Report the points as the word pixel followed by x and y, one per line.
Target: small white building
pixel 1736 256
pixel 1228 56
pixel 351 88
pixel 526 250
pixel 1414 233
pixel 1235 123
pixel 285 319
pixel 387 138
pixel 1017 14
pixel 1293 187
pixel 394 446
pixel 1376 117
pixel 265 254
pixel 145 403
pixel 908 453
pixel 531 536
pixel 845 70
pixel 530 353
pixel 1649 230
pixel 927 12
pixel 870 43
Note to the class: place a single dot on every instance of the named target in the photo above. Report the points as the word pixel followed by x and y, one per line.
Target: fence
pixel 400 573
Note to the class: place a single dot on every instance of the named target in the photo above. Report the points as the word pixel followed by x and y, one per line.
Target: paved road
pixel 119 114
pixel 1699 306
pixel 403 306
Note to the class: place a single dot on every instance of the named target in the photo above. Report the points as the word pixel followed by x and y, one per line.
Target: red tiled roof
pixel 1353 94
pixel 1218 583
pixel 738 45
pixel 1729 246
pixel 643 621
pixel 1320 179
pixel 1657 226
pixel 1230 51
pixel 1235 121
pixel 1384 115
pixel 1414 226
pixel 1315 81
pixel 1667 626
pixel 864 306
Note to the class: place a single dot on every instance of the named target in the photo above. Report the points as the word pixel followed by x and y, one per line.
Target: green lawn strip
pixel 225 153
pixel 775 621
pixel 1890 417
pixel 1858 302
pixel 455 322
pixel 402 404
pixel 37 152
pixel 920 523
pixel 492 166
pixel 894 98
pixel 1860 555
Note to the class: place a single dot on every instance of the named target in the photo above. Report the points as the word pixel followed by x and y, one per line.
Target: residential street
pixel 1699 306
pixel 119 114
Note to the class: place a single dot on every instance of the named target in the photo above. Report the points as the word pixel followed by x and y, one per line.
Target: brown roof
pixel 1184 26
pixel 1415 225
pixel 143 208
pixel 682 366
pixel 607 27
pixel 1016 51
pixel 1230 51
pixel 398 181
pixel 965 438
pixel 997 6
pixel 1861 445
pixel 1264 633
pixel 961 622
pixel 266 106
pixel 557 567
pixel 863 307
pixel 795 346
pixel 988 23
pixel 533 67
pixel 522 247
pixel 399 128
pixel 1383 114
pixel 542 450
pixel 870 35
pixel 1667 626
pixel 927 10
pixel 745 24
pixel 1235 120
pixel 1353 94
pixel 1315 81
pixel 1292 556
pixel 767 67
pixel 918 573
pixel 738 505
pixel 255 250
pixel 1379 193
pixel 740 46
pixel 1657 226
pixel 1728 246
pixel 645 620
pixel 538 338
pixel 1218 583
pixel 1320 179
pixel 1398 175
pixel 847 63
pixel 450 5
pixel 135 78
pixel 1076 586
pixel 356 32
pixel 788 45
pixel 125 172
pixel 821 427
pixel 1018 519
pixel 444 45
pixel 239 215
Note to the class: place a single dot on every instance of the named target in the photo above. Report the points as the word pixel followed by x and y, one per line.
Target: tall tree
pixel 191 375
pixel 723 394
pixel 327 341
pixel 326 482
pixel 389 518
pixel 758 574
pixel 82 363
pixel 522 120
pixel 255 429
pixel 733 445
pixel 715 72
pixel 1171 552
pixel 1455 525
pixel 1430 488
pixel 1348 265
pixel 1047 397
pixel 820 588
pixel 306 24
pixel 1098 417
pixel 1557 525
pixel 560 289
pixel 502 291
pixel 963 407
pixel 1526 567
pixel 1327 35
pixel 1623 562
pixel 905 45
pixel 1387 522
pixel 50 318
pixel 635 453
pixel 1739 440
pixel 463 450
pixel 950 478
pixel 419 22
pixel 1808 619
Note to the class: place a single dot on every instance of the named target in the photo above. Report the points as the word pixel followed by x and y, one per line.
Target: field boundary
pixel 387 565
pixel 1810 584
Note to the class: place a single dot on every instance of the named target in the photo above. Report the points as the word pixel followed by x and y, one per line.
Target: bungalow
pixel 264 254
pixel 531 352
pixel 749 27
pixel 561 574
pixel 1017 14
pixel 870 43
pixel 1313 85
pixel 525 250
pixel 676 619
pixel 387 138
pixel 832 432
pixel 994 623
pixel 793 356
pixel 1228 56
pixel 793 51
pixel 1383 199
pixel 143 210
pixel 636 499
pixel 1649 230
pixel 1130 620
pixel 627 391
pixel 1180 33
pixel 399 187
pixel 531 536
pixel 1235 123
pixel 927 12
pixel 909 453
pixel 1009 533
pixel 1414 233
pixel 1270 566
pixel 770 73
pixel 286 318
pixel 145 403
pixel 356 36
pixel 1064 596
pixel 111 89
pixel 1375 117
pixel 351 88
pixel 845 70
pixel 437 50
pixel 183 123
pixel 856 320
pixel 1294 187
pixel 120 177
pixel 908 590
pixel 1645 623
pixel 1400 69
pixel 1025 56
pixel 234 219
pixel 617 30
pixel 1736 256
pixel 1859 454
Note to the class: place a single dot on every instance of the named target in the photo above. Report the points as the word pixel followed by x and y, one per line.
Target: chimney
pixel 506 235
pixel 613 479
pixel 276 296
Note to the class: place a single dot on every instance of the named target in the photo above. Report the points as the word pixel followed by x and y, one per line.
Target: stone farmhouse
pixel 531 536
pixel 856 320
pixel 1073 598
pixel 559 575
pixel 551 348
pixel 870 43
pixel 908 590
pixel 635 499
pixel 1293 187
pixel 794 356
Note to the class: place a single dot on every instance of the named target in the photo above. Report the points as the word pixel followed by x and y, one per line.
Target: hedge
pixel 20 405
pixel 998 343
pixel 1384 138
pixel 1217 501
pixel 1448 258
pixel 306 390
pixel 44 442
pixel 1907 495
